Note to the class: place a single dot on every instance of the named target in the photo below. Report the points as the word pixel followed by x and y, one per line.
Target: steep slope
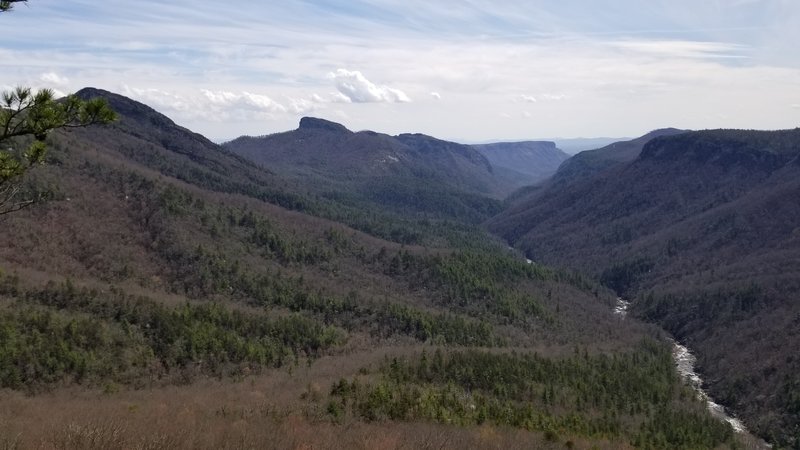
pixel 330 151
pixel 411 174
pixel 142 135
pixel 586 164
pixel 320 145
pixel 534 160
pixel 702 229
pixel 166 267
pixel 133 205
pixel 592 161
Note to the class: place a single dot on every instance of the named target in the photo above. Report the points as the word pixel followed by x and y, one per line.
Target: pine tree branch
pixel 7 5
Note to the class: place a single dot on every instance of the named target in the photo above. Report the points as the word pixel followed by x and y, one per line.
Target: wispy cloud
pixel 683 49
pixel 605 67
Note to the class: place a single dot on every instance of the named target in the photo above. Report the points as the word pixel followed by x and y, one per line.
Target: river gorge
pixel 685 364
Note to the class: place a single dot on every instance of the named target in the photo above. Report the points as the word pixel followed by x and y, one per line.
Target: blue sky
pixel 472 70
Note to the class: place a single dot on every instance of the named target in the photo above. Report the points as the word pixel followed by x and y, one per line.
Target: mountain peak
pixel 662 132
pixel 115 100
pixel 314 123
pixel 128 108
pixel 89 92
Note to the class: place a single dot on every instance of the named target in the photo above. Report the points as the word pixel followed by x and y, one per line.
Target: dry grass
pixel 264 411
pixel 163 425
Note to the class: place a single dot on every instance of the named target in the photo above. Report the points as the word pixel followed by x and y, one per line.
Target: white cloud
pixel 158 99
pixel 436 95
pixel 303 106
pixel 796 105
pixel 243 100
pixel 332 97
pixel 221 97
pixel 338 97
pixel 261 102
pixel 207 104
pixel 53 79
pixel 314 102
pixel 356 87
pixel 528 98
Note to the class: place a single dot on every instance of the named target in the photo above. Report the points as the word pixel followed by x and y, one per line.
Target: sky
pixel 469 70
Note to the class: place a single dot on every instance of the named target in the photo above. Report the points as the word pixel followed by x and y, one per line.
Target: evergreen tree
pixel 7 5
pixel 25 114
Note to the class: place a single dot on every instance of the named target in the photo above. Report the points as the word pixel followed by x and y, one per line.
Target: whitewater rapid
pixel 685 362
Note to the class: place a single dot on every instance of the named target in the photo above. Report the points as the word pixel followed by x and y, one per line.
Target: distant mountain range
pixel 414 175
pixel 527 162
pixel 702 230
pixel 408 173
pixel 574 146
pixel 319 148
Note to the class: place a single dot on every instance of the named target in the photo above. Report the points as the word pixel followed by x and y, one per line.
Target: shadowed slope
pixel 702 228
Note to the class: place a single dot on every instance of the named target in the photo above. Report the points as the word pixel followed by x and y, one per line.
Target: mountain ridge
pixel 696 219
pixel 535 160
pixel 362 152
pixel 591 161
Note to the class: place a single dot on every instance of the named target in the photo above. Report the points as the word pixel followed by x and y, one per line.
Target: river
pixel 684 362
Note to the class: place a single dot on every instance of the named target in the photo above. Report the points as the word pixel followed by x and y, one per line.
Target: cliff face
pixel 534 160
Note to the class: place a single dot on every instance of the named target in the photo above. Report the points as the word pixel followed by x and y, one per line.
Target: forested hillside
pixel 590 162
pixel 173 294
pixel 701 231
pixel 412 176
